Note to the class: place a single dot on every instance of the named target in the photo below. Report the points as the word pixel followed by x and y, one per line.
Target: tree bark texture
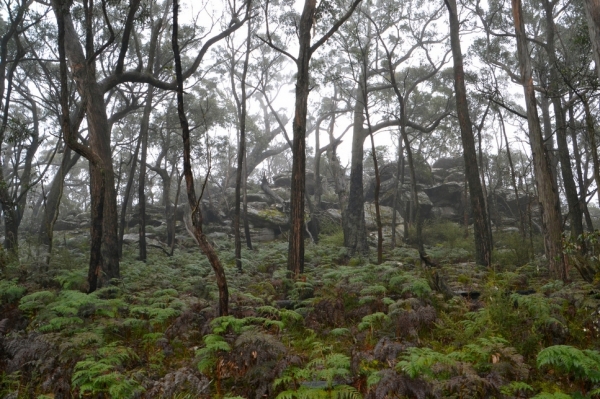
pixel 483 241
pixel 355 231
pixel 104 257
pixel 296 243
pixel 548 196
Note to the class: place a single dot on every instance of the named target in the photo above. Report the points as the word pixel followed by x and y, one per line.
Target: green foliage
pixel 36 301
pixel 10 291
pixel 421 361
pixel 317 378
pixel 581 364
pixel 101 373
pixel 369 313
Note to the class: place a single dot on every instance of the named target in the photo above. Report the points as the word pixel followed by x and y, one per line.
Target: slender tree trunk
pixel 296 244
pixel 241 153
pixel 245 206
pixel 144 128
pixel 483 240
pixel 575 213
pixel 580 179
pixel 376 167
pixel 591 133
pixel 194 203
pixel 127 196
pixel 397 188
pixel 548 196
pixel 512 175
pixel 355 231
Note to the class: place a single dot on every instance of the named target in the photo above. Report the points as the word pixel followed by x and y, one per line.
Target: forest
pixel 299 199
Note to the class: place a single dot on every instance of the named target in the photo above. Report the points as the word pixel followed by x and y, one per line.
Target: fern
pixel 10 291
pixel 101 374
pixel 421 361
pixel 373 321
pixel 582 364
pixel 36 301
pixel 516 387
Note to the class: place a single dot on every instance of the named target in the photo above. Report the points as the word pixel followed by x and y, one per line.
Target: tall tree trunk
pixel 483 239
pixel 548 196
pixel 104 257
pixel 580 180
pixel 144 129
pixel 375 167
pixel 296 244
pixel 194 203
pixel 241 156
pixel 575 213
pixel 591 134
pixel 355 231
pixel 397 188
pixel 512 176
pixel 127 196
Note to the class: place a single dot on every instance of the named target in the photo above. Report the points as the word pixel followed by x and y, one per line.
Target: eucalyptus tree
pixel 309 20
pixel 406 34
pixel 12 52
pixel 483 239
pixel 83 53
pixel 551 218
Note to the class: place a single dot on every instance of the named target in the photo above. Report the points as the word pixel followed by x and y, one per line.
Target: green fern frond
pixel 339 331
pixel 583 365
pixel 36 301
pixel 60 323
pixel 420 361
pixel 516 387
pixel 373 320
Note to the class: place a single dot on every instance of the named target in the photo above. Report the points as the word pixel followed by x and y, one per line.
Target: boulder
pixel 448 163
pixel 386 214
pixel 447 194
pixel 265 216
pixel 445 212
pixel 262 234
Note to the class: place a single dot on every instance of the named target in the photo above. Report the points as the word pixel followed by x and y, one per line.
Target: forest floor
pixel 347 328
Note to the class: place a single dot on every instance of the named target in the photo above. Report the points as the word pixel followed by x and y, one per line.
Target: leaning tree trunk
pixel 127 196
pixel 548 196
pixel 194 203
pixel 513 179
pixel 483 240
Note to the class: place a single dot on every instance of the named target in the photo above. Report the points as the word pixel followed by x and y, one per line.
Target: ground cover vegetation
pixel 346 328
pixel 284 199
